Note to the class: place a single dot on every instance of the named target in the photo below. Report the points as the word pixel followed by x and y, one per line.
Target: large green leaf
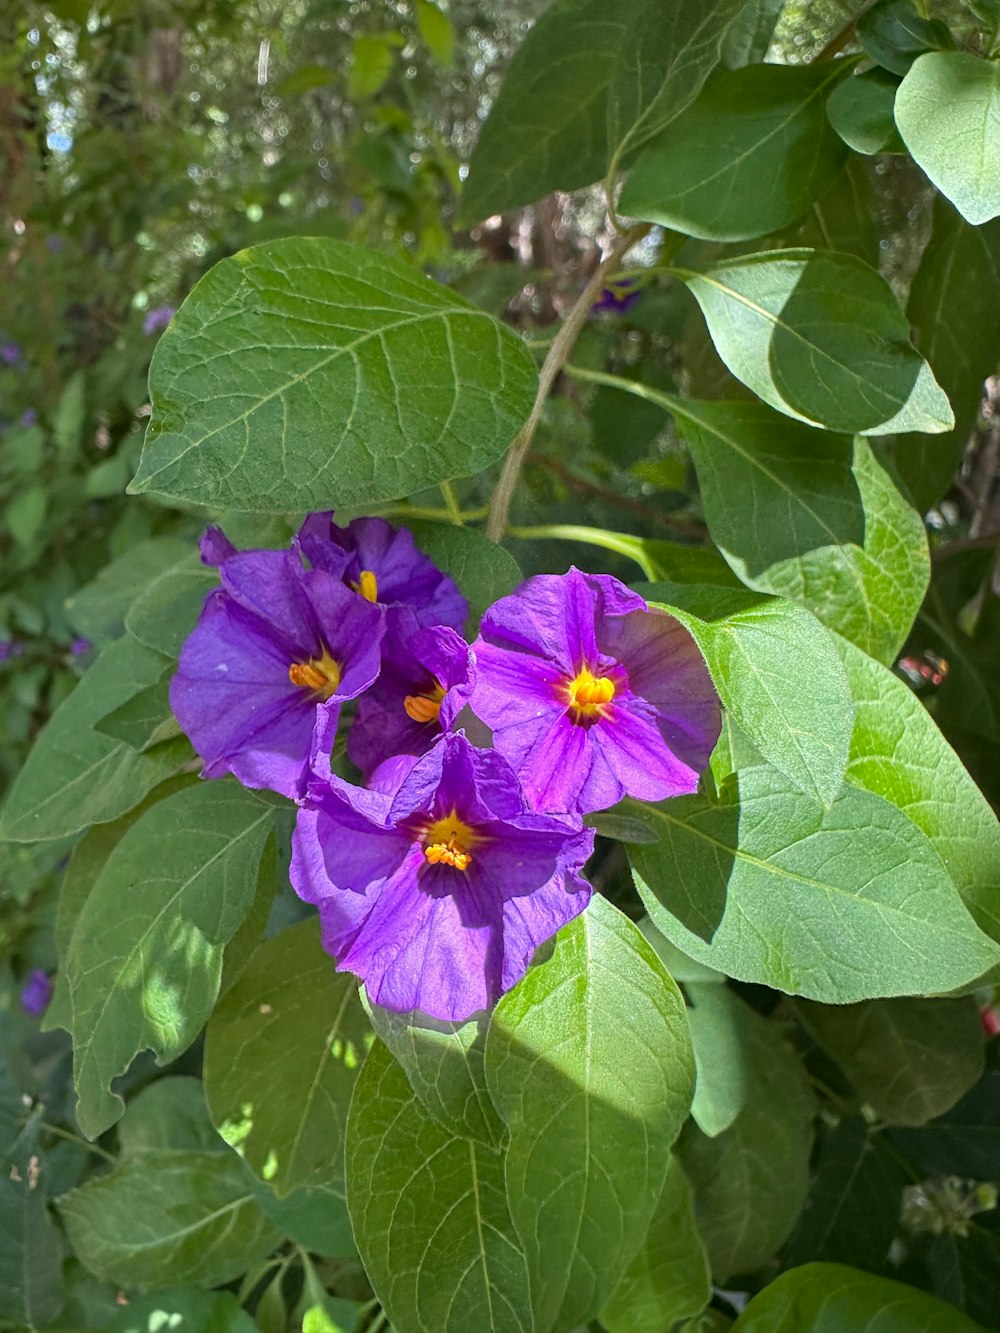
pixel 952 292
pixel 750 34
pixel 429 1214
pixel 168 1113
pixel 669 1278
pixel 174 1216
pixel 897 752
pixel 762 123
pixel 948 112
pixel 965 1141
pixel 145 960
pixel 811 517
pixel 98 610
pixel 909 1059
pixel 74 775
pixel 444 1063
pixel 589 1148
pixel 965 1266
pixel 750 1183
pixel 820 337
pixel 165 611
pixel 837 905
pixel 829 1298
pixel 484 571
pixel 282 1052
pixel 777 674
pixel 31 1249
pixel 305 373
pixel 668 52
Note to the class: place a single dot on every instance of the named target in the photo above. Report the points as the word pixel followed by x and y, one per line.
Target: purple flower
pixel 383 564
pixel 29 417
pixel 79 646
pixel 438 894
pixel 426 680
pixel 10 648
pixel 158 318
pixel 618 296
pixel 274 646
pixel 591 695
pixel 10 353
pixel 36 993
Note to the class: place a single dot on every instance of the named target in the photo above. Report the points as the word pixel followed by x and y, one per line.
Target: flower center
pixel 321 674
pixel 448 841
pixel 425 707
pixel 367 585
pixel 587 696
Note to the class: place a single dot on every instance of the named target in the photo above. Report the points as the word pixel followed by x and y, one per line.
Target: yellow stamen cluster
pixel 367 585
pixel 321 674
pixel 447 842
pixel 425 707
pixel 588 695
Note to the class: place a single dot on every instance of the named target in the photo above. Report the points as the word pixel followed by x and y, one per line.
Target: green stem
pixel 437 515
pixel 619 542
pixel 558 355
pixel 451 500
pixel 58 1133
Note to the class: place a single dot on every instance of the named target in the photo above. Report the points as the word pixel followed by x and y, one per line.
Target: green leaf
pixel 443 1063
pixel 830 1298
pixel 750 34
pixel 98 610
pixel 894 34
pixel 668 52
pixel 720 1055
pixel 165 612
pixel 429 1214
pixel 371 64
pixel 820 337
pixel 965 1266
pixel 186 1310
pixel 777 674
pixel 812 517
pixel 951 293
pixel 860 110
pixel 315 1216
pixel 837 905
pixel 282 1052
pixel 852 1212
pixel 761 123
pixel 24 514
pixel 484 571
pixel 910 1060
pixel 553 104
pixel 589 1149
pixel 145 960
pixel 307 371
pixel 948 112
pixel 74 775
pixel 67 424
pixel 437 33
pixel 145 720
pixel 750 1182
pixel 31 1249
pixel 168 1217
pixel 168 1113
pixel 669 1278
pixel 898 753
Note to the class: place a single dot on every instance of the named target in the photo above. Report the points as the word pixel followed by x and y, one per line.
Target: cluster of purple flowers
pixel 437 879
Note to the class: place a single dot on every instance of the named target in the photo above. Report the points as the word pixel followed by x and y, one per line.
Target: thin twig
pixel 558 354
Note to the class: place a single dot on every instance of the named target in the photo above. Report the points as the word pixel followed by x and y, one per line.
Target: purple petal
pixel 36 993
pixel 215 547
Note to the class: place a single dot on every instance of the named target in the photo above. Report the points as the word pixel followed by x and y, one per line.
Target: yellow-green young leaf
pixel 304 373
pixel 75 775
pixel 820 337
pixel 589 1145
pixel 898 753
pixel 669 1278
pixel 813 517
pixel 750 1183
pixel 837 905
pixel 436 32
pixel 948 112
pixel 828 1298
pixel 282 1053
pixel 174 1216
pixel 763 123
pixel 146 955
pixel 429 1214
pixel 911 1060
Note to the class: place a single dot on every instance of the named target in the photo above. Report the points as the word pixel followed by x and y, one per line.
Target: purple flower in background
pixel 79 646
pixel 36 993
pixel 425 682
pixel 158 318
pixel 591 695
pixel 29 417
pixel 10 648
pixel 619 295
pixel 438 894
pixel 274 646
pixel 10 353
pixel 383 564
